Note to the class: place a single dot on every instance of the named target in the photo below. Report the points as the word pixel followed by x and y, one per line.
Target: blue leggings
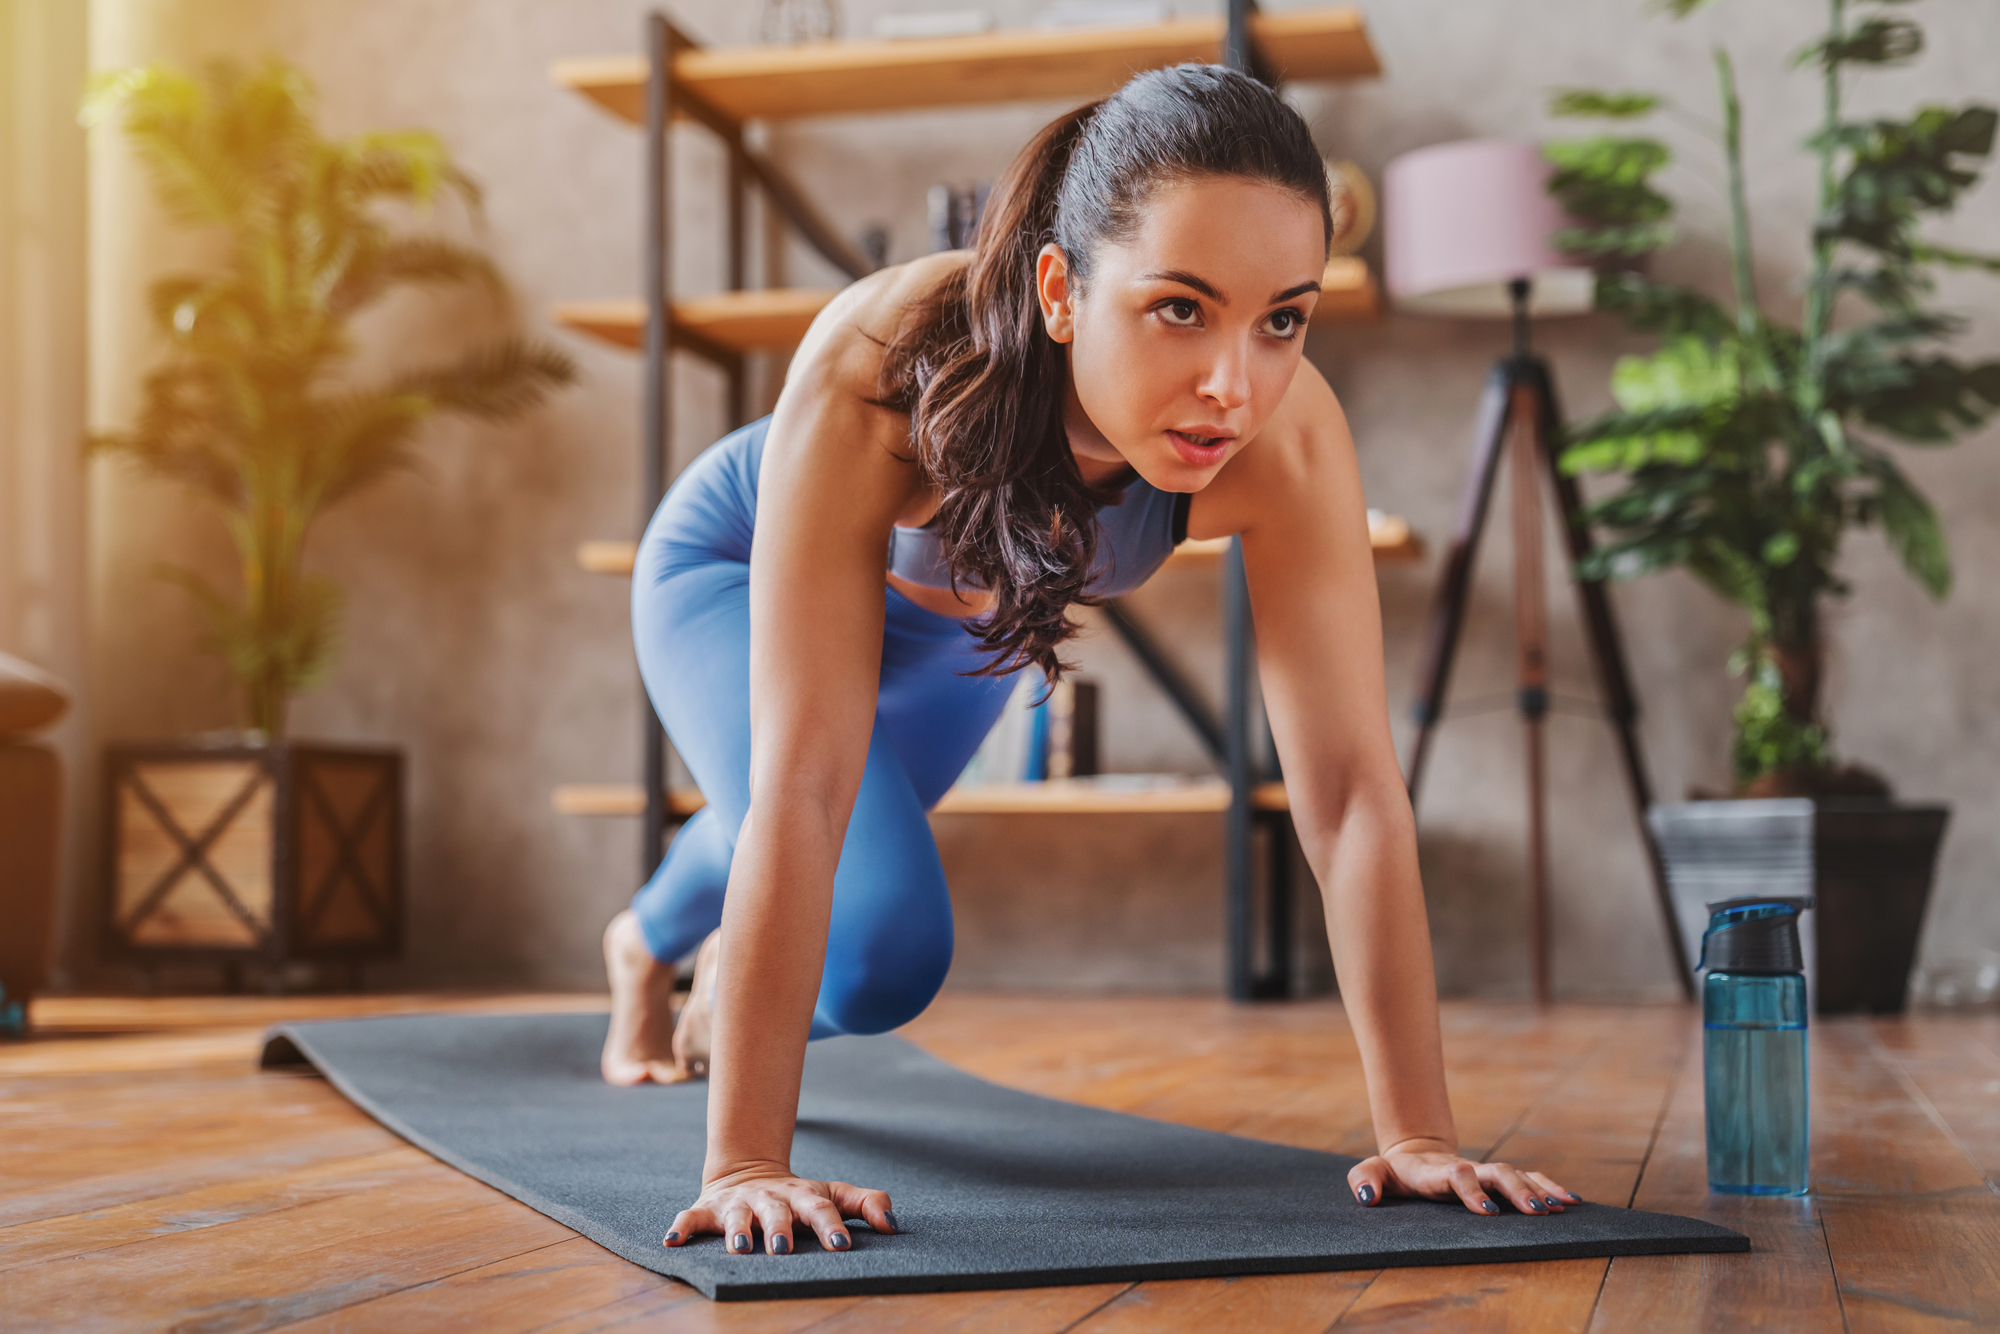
pixel 889 943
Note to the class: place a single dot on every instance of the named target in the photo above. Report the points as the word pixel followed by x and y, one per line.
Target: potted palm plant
pixel 254 845
pixel 1748 446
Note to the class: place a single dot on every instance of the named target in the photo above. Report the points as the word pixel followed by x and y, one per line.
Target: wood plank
pixel 667 1310
pixel 768 320
pixel 77 1015
pixel 211 1204
pixel 107 1183
pixel 1267 1303
pixel 1025 64
pixel 536 1290
pixel 776 319
pixel 289 1264
pixel 1390 536
pixel 1786 1283
pixel 1951 1065
pixel 1025 1311
pixel 1111 795
pixel 1914 1234
pixel 122 1136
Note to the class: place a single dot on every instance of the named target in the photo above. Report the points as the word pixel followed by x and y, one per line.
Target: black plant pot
pixel 1868 866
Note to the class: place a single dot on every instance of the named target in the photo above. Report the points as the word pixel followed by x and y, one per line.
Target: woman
pixel 1116 366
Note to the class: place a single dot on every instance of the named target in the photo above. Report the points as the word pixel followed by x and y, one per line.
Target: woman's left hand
pixel 1433 1170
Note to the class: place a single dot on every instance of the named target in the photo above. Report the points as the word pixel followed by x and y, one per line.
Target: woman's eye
pixel 1286 323
pixel 1180 312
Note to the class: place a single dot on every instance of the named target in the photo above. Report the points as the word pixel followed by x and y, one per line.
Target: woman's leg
pixel 693 639
pixel 890 941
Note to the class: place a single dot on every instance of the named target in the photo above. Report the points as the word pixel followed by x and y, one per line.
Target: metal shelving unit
pixel 677 79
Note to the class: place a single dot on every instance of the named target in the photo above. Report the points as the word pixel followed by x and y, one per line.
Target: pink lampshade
pixel 1462 220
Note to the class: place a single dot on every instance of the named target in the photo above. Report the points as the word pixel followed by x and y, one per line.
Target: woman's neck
pixel 1096 457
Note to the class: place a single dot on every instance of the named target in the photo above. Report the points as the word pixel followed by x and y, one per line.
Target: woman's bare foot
pixel 640 1044
pixel 691 1035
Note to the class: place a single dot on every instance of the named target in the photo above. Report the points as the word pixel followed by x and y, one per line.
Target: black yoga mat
pixel 994 1188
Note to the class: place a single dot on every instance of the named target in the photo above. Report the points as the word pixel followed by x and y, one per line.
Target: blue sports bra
pixel 1135 536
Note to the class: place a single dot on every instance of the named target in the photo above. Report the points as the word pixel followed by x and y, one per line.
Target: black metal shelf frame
pixel 1228 740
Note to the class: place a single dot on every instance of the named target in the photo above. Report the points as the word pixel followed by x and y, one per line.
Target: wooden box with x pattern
pixel 275 852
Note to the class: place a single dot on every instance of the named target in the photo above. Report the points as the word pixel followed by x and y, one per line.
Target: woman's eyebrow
pixel 1291 292
pixel 1186 279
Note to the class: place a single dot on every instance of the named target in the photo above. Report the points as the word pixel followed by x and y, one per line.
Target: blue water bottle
pixel 1754 1046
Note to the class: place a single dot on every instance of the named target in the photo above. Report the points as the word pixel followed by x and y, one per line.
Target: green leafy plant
pixel 1749 446
pixel 255 405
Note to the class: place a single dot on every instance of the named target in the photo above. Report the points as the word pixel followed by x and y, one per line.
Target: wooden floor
pixel 151 1179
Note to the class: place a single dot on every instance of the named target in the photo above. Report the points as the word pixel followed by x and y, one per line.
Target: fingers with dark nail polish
pixel 1489 1206
pixel 1537 1206
pixel 1575 1198
pixel 740 1242
pixel 1551 1201
pixel 890 1214
pixel 781 1245
pixel 1366 1194
pixel 841 1241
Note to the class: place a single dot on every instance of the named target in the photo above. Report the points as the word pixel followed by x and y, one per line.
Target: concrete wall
pixel 473 640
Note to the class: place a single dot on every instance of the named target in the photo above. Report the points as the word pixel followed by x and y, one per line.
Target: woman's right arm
pixel 831 486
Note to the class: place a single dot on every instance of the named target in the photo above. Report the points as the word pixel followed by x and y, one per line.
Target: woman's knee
pixel 874 990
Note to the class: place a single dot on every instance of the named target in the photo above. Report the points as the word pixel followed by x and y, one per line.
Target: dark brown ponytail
pixel 985 385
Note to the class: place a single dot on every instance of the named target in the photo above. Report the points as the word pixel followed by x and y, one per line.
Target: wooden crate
pixel 276 853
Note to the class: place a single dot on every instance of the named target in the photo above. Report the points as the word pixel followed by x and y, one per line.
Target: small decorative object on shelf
pixel 242 851
pixel 1354 206
pixel 790 22
pixel 932 23
pixel 955 211
pixel 1103 14
pixel 875 244
pixel 1073 729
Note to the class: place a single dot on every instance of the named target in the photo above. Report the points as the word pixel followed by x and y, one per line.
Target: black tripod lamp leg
pixel 1614 678
pixel 1447 616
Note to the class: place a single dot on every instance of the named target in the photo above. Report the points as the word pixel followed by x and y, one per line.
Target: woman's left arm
pixel 1304 527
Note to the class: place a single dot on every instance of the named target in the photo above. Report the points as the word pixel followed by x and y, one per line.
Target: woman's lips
pixel 1199 448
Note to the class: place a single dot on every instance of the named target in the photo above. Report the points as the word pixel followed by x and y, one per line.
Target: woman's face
pixel 1187 336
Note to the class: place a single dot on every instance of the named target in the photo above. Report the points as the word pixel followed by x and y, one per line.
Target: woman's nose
pixel 1226 382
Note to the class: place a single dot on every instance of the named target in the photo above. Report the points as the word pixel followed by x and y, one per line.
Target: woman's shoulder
pixel 1305 442
pixel 845 345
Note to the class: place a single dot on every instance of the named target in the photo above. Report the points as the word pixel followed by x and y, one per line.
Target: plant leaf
pixel 1875 41
pixel 1661 308
pixel 1597 103
pixel 1686 373
pixel 495 381
pixel 1912 527
pixel 1605 179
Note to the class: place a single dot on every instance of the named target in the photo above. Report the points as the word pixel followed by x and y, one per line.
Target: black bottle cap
pixel 1754 935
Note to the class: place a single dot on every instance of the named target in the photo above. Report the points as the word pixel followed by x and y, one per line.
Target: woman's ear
pixel 1052 288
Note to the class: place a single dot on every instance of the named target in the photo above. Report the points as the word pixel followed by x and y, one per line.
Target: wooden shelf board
pixel 1014 65
pixel 1391 537
pixel 777 318
pixel 768 320
pixel 1201 796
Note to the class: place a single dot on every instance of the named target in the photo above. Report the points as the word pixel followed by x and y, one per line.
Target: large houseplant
pixel 255 405
pixel 1749 444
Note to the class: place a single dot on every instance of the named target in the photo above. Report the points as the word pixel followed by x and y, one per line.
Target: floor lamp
pixel 1467 230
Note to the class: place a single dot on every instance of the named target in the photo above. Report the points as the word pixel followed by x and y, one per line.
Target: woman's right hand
pixel 769 1196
